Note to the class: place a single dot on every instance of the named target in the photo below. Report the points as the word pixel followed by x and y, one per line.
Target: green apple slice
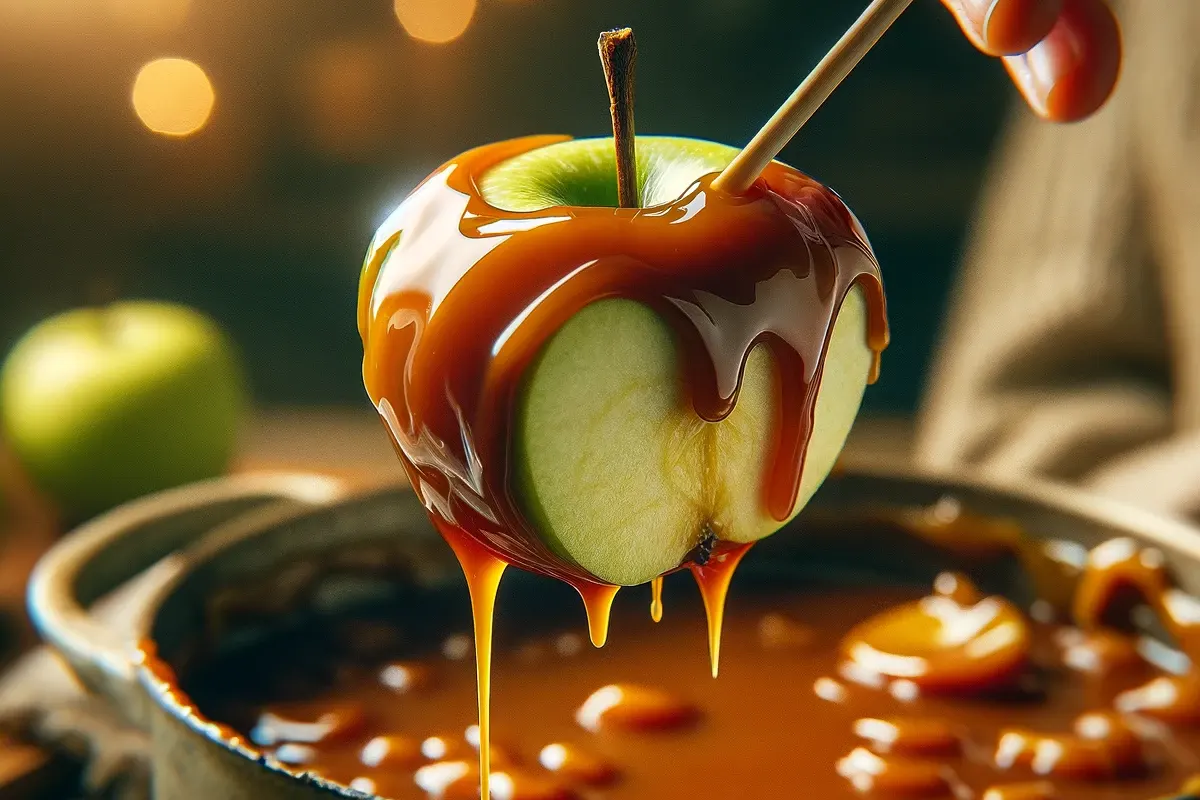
pixel 611 465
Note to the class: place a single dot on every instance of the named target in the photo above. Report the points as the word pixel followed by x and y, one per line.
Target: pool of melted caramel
pixel 942 692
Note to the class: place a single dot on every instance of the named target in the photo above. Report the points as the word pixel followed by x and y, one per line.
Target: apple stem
pixel 618 54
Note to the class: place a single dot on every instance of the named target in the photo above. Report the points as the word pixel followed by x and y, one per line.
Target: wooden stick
pixel 618 53
pixel 809 95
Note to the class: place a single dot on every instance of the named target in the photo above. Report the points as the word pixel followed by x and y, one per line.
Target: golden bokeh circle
pixel 173 96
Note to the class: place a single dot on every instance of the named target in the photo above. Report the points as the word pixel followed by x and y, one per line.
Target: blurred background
pixel 236 156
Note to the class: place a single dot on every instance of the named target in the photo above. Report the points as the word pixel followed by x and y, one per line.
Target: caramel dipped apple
pixel 598 363
pixel 605 393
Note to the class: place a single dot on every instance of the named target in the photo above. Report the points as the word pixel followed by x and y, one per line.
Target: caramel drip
pixel 656 604
pixel 597 601
pixel 713 580
pixel 457 297
pixel 483 571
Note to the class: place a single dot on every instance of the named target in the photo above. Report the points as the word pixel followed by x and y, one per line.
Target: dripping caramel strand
pixel 483 572
pixel 713 579
pixel 597 601
pixel 656 601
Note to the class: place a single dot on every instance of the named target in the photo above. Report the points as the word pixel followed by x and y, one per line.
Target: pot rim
pixel 52 590
pixel 1173 535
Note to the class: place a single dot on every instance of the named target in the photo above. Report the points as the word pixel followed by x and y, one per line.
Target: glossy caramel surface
pixel 946 708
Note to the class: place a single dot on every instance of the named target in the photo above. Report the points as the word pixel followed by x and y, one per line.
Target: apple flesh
pixel 104 405
pixel 611 465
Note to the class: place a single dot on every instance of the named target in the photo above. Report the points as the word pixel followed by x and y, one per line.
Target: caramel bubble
pixel 830 690
pixel 1101 747
pixel 871 773
pixel 294 754
pixel 1117 572
pixel 459 780
pixel 939 644
pixel 1040 790
pixel 450 780
pixel 406 676
pixel 446 747
pixel 511 784
pixel 1099 652
pixel 386 784
pixel 576 765
pixel 1181 614
pixel 909 736
pixel 957 587
pixel 392 752
pixel 1174 699
pixel 631 707
pixel 502 755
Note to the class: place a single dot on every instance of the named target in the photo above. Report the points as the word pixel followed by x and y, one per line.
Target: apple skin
pixel 102 405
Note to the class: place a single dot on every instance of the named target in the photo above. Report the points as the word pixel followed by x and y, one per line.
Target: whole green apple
pixel 102 405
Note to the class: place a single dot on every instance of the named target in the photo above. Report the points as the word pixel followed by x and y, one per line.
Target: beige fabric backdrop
pixel 1072 348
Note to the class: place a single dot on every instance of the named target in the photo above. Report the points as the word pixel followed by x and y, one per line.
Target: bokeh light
pixel 348 97
pixel 436 21
pixel 173 96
